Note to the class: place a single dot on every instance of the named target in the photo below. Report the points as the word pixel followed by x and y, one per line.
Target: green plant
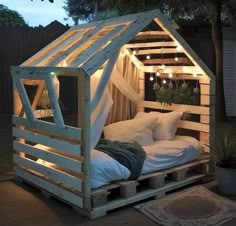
pixel 223 149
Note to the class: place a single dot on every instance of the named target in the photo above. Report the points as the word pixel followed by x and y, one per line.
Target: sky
pixel 38 12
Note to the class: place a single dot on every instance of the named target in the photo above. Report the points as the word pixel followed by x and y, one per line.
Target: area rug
pixel 196 206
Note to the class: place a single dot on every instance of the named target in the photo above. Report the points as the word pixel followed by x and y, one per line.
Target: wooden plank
pixel 49 47
pixel 103 81
pixel 96 46
pixel 157 51
pixel 205 100
pixel 205 119
pixel 150 44
pixel 74 149
pixel 174 69
pixel 38 94
pixel 200 110
pixel 68 131
pixel 41 73
pixel 57 115
pixel 97 60
pixel 205 89
pixel 163 23
pixel 51 187
pixel 194 126
pixel 23 97
pixel 47 154
pixel 57 50
pixel 54 174
pixel 85 114
pixel 132 58
pixel 166 61
pixel 151 35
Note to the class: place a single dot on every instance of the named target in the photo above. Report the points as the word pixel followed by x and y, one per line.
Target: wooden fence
pixel 18 44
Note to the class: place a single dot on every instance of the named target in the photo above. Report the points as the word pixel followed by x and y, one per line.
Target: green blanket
pixel 131 155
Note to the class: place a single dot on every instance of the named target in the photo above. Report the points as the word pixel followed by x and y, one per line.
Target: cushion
pixel 166 124
pixel 134 130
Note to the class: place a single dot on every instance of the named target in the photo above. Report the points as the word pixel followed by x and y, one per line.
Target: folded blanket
pixel 131 155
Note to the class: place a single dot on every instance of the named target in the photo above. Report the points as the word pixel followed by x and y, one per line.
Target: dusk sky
pixel 39 12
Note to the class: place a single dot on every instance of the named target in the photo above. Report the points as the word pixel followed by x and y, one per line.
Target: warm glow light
pixel 157 73
pixel 194 75
pixel 53 73
pixel 151 78
pixel 148 57
pixel 164 81
pixel 163 66
pixel 176 58
pixel 134 52
pixel 170 75
pixel 64 64
pixel 178 48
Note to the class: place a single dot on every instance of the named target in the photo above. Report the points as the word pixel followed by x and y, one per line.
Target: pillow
pixel 133 130
pixel 166 125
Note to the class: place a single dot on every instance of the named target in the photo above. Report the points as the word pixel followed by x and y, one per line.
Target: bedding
pixel 130 155
pixel 166 124
pixel 163 154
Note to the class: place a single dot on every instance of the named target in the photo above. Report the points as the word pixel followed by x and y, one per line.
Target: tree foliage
pixel 10 18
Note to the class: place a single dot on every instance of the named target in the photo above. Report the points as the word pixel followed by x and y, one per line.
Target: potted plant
pixel 223 152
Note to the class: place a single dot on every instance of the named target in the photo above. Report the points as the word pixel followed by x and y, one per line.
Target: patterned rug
pixel 196 206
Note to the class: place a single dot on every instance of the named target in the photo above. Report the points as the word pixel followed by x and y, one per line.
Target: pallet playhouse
pixel 81 52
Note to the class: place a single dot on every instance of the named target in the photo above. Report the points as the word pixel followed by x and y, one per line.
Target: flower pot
pixel 226 179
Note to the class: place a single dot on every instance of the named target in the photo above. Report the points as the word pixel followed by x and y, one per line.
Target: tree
pixel 10 18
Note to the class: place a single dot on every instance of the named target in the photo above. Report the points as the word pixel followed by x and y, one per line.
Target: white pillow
pixel 139 130
pixel 166 125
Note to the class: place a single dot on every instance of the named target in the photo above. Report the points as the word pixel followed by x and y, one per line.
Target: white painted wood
pixel 163 23
pixel 176 107
pixel 97 60
pixel 96 46
pixel 49 155
pixel 54 174
pixel 56 50
pixel 48 48
pixel 57 115
pixel 173 69
pixel 150 44
pixel 68 131
pixel 51 187
pixel 103 81
pixel 194 126
pixel 23 97
pixel 74 149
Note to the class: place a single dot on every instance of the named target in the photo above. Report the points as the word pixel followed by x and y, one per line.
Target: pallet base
pixel 121 193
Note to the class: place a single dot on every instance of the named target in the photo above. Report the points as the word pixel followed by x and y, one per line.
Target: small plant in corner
pixel 223 152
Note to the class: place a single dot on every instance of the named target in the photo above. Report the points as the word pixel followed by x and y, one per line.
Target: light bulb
pixel 53 73
pixel 157 73
pixel 194 75
pixel 148 57
pixel 164 81
pixel 163 66
pixel 176 59
pixel 170 75
pixel 178 48
pixel 151 78
pixel 64 64
pixel 134 52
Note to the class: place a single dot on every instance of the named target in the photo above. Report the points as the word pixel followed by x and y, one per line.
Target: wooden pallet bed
pixel 79 53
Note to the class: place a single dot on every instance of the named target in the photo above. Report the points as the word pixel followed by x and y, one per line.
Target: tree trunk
pixel 214 11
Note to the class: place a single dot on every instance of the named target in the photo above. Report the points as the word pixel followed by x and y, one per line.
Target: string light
pixel 170 75
pixel 151 78
pixel 178 48
pixel 194 74
pixel 134 52
pixel 53 73
pixel 157 73
pixel 64 64
pixel 164 81
pixel 176 59
pixel 148 57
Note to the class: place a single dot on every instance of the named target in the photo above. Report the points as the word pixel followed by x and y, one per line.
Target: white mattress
pixel 161 155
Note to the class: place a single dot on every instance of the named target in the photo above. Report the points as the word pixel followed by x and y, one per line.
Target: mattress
pixel 163 154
